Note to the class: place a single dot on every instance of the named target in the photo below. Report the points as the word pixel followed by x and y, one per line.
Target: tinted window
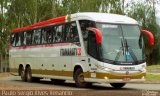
pixel 92 46
pixel 28 37
pixel 44 40
pixel 36 38
pixel 84 24
pixel 58 33
pixel 71 32
pixel 18 39
pixel 13 39
pixel 49 35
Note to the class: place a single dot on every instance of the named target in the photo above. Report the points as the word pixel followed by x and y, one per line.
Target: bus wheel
pixel 28 74
pixel 117 85
pixel 22 74
pixel 79 78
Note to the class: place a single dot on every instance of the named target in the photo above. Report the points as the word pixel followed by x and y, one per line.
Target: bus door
pixel 92 52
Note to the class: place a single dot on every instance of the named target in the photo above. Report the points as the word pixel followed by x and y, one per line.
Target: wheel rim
pixel 81 78
pixel 22 75
pixel 28 77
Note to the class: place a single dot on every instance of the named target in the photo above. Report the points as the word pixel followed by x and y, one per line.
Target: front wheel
pixel 117 85
pixel 79 79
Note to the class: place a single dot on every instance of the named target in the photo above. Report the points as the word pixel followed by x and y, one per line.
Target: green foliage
pixel 144 12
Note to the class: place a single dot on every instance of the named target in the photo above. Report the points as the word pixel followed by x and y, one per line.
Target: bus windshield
pixel 122 43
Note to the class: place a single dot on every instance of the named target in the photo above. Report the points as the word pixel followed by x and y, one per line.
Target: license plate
pixel 126 79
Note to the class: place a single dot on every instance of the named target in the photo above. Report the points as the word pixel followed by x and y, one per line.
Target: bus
pixel 84 47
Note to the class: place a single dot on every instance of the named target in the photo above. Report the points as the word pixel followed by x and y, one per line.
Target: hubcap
pixel 81 78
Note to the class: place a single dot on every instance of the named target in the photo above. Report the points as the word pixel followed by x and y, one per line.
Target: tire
pixel 79 79
pixel 23 75
pixel 28 74
pixel 117 85
pixel 57 81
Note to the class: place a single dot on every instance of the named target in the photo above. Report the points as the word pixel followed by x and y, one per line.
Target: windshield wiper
pixel 126 50
pixel 130 51
pixel 121 50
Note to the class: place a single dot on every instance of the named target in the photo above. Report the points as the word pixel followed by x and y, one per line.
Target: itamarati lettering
pixel 70 52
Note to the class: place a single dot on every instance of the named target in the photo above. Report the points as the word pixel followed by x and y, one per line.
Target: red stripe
pixel 42 24
pixel 41 46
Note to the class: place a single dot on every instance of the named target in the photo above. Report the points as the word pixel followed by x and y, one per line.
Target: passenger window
pixel 13 39
pixel 84 24
pixel 49 35
pixel 54 34
pixel 18 39
pixel 58 33
pixel 71 32
pixel 21 34
pixel 44 41
pixel 36 38
pixel 28 37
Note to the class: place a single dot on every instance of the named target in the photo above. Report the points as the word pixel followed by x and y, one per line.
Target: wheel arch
pixel 27 66
pixel 76 67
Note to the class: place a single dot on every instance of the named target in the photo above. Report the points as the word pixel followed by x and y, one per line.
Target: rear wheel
pixel 22 74
pixel 28 74
pixel 79 79
pixel 117 85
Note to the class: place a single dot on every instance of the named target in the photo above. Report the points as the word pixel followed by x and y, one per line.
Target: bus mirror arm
pixel 150 36
pixel 98 34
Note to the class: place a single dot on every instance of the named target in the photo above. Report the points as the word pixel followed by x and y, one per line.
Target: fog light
pixel 105 77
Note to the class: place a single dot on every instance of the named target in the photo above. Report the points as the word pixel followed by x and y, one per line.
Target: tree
pixel 144 12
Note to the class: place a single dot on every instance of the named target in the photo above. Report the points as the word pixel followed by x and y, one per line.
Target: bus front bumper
pixel 95 80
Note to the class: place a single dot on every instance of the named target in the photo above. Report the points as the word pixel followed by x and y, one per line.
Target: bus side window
pixel 44 41
pixel 28 37
pixel 25 38
pixel 84 24
pixel 58 35
pixel 49 35
pixel 18 39
pixel 21 38
pixel 53 34
pixel 71 32
pixel 36 36
pixel 13 39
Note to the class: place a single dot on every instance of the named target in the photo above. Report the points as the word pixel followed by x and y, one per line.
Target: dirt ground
pixel 11 87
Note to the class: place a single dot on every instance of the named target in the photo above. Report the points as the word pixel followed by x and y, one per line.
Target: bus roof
pixel 106 18
pixel 97 17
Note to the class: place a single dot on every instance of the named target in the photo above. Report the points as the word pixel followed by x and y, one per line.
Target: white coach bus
pixel 84 47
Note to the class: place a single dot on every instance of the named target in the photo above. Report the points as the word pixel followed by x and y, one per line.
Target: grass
pixel 154 66
pixel 153 69
pixel 152 77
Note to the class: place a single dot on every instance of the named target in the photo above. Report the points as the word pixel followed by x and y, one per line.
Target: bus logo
pixel 70 52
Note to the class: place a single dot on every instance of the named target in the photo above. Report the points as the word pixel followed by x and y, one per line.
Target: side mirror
pixel 150 36
pixel 98 34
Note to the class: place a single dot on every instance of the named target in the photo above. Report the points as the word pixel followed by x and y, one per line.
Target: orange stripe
pixel 86 74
